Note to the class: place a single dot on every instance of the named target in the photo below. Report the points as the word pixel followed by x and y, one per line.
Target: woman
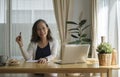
pixel 42 46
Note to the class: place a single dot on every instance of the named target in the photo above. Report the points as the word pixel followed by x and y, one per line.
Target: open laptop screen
pixel 75 53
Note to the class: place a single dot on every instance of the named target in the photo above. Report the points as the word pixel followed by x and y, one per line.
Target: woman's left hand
pixel 42 60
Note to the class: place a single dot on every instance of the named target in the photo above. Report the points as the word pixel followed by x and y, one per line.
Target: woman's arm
pixel 28 55
pixel 54 49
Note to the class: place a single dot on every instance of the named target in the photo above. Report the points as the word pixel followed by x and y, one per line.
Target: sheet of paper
pixel 32 61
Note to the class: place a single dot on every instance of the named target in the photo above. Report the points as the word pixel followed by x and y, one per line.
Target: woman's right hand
pixel 19 40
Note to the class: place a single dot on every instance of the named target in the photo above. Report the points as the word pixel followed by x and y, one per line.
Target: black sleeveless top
pixel 42 52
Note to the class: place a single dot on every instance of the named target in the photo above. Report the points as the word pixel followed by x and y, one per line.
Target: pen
pixel 19 36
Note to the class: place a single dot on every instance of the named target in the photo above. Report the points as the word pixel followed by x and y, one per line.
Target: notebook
pixel 74 54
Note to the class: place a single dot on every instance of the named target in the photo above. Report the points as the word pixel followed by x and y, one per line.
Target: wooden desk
pixel 56 68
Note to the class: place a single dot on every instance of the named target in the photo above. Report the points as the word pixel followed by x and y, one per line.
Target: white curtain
pixel 109 23
pixel 113 22
pixel 63 13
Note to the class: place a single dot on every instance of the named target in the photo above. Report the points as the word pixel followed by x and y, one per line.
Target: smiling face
pixel 42 30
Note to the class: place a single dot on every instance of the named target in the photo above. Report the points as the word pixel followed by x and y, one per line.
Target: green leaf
pixel 75 32
pixel 83 35
pixel 82 22
pixel 78 34
pixel 73 29
pixel 86 40
pixel 71 22
pixel 104 48
pixel 75 42
pixel 74 36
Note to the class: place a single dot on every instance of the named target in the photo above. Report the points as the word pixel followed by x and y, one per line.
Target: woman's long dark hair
pixel 35 38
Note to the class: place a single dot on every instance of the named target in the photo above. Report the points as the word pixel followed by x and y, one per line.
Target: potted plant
pixel 78 32
pixel 104 54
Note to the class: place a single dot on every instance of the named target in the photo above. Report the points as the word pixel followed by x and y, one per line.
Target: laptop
pixel 74 54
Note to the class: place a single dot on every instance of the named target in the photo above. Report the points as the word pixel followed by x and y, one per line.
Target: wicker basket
pixel 105 59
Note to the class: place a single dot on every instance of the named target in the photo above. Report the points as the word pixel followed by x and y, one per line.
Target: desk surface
pixel 51 67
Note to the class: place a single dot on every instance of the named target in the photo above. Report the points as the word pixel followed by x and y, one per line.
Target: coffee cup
pixel 3 60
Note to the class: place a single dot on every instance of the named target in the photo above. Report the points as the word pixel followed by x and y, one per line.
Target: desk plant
pixel 78 32
pixel 104 48
pixel 104 54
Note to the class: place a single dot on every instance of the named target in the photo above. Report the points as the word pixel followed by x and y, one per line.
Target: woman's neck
pixel 43 43
pixel 43 40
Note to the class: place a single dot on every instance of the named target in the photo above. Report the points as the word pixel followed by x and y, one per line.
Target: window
pixel 3 34
pixel 109 23
pixel 22 15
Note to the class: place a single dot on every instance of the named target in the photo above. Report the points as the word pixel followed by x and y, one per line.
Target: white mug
pixel 3 60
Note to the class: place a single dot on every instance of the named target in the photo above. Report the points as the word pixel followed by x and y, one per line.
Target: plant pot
pixel 105 59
